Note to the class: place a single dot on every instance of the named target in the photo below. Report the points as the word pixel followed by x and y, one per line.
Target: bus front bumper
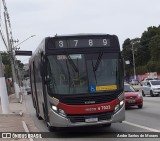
pixel 57 120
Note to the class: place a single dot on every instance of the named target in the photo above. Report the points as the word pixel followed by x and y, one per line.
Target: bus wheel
pixel 51 128
pixel 106 125
pixel 37 115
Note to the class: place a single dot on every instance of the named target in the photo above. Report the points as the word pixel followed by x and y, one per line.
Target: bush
pixel 141 69
pixel 151 66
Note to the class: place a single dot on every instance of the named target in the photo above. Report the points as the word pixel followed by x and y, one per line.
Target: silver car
pixel 134 82
pixel 152 88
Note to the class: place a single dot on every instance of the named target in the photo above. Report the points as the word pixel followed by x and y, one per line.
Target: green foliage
pixel 155 48
pixel 146 50
pixel 20 65
pixel 7 63
pixel 151 66
pixel 8 71
pixel 141 69
pixel 5 58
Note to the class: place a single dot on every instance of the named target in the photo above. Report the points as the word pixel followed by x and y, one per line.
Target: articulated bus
pixel 77 80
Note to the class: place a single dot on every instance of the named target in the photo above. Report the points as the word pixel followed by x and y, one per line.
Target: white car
pixel 134 82
pixel 145 80
pixel 27 86
pixel 152 88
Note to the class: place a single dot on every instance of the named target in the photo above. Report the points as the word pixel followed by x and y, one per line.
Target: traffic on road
pixel 137 120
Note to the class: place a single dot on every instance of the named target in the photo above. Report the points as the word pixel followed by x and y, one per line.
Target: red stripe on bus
pixel 88 109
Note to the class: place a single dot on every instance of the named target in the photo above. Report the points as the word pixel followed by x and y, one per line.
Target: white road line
pixel 140 126
pixel 26 129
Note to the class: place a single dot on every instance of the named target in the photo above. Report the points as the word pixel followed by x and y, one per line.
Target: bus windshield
pixel 83 73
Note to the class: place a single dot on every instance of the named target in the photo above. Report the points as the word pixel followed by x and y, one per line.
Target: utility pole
pixel 3 93
pixel 134 69
pixel 11 57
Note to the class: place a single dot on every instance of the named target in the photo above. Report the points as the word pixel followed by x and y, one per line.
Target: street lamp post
pixel 134 69
pixel 24 41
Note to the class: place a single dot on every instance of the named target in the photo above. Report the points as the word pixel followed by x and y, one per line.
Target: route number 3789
pixel 89 42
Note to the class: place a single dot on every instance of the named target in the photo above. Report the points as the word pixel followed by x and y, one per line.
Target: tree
pixel 145 41
pixel 20 65
pixel 146 50
pixel 7 62
pixel 155 48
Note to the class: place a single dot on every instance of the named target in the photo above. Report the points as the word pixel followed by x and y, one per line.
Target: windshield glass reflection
pixel 76 73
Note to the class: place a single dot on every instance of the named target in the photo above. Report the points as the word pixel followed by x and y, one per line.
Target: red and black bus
pixel 77 80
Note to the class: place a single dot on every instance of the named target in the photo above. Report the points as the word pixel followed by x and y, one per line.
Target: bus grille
pixel 81 118
pixel 87 100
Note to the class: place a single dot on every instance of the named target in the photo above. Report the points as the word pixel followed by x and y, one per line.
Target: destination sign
pixel 76 43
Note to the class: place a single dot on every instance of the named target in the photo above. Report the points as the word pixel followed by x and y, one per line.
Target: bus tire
pixel 51 128
pixel 37 115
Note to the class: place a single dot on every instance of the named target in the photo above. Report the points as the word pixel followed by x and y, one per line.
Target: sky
pixel 43 18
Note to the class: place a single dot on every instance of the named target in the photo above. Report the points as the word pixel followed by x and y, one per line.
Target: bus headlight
pixel 118 106
pixel 58 110
pixel 54 108
pixel 62 113
pixel 121 103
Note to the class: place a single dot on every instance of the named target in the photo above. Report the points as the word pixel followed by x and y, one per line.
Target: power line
pixel 3 39
pixel 2 24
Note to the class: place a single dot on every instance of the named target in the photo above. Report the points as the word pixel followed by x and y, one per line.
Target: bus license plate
pixel 131 101
pixel 91 119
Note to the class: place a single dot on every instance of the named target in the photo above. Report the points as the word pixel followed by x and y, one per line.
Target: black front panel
pixel 86 100
pixel 106 42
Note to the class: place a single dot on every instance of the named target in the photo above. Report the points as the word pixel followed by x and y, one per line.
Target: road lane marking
pixel 26 129
pixel 140 126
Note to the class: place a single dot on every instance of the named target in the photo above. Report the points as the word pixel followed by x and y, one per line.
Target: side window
pixel 148 84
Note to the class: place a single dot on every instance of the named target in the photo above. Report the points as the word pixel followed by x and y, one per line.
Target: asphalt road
pixel 142 120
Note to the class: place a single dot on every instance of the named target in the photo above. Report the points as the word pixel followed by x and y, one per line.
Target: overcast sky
pixel 125 18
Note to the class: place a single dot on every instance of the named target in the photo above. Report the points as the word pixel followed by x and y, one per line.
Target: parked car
pixel 145 80
pixel 132 97
pixel 27 85
pixel 134 82
pixel 152 88
pixel 28 89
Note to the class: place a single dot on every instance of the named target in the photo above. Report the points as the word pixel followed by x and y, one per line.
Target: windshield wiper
pixel 98 61
pixel 94 72
pixel 68 75
pixel 71 62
